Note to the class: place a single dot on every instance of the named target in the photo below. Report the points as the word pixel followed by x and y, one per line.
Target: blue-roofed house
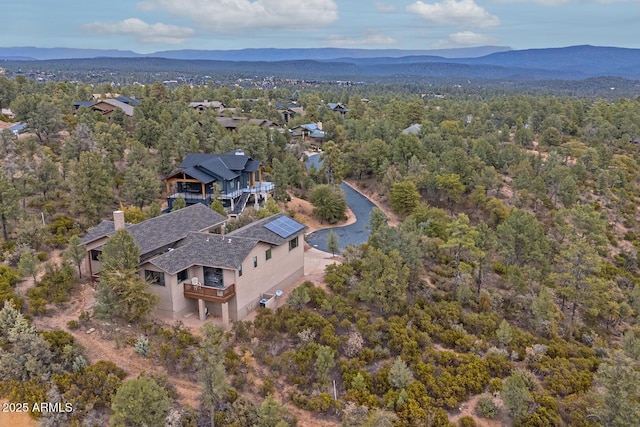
pixel 18 128
pixel 234 177
pixel 311 133
pixel 195 271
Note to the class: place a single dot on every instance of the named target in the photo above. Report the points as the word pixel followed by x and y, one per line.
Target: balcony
pixel 209 293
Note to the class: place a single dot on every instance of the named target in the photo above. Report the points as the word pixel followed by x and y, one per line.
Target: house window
pixel 183 275
pixel 240 270
pixel 267 254
pixel 154 277
pixel 293 243
pixel 255 261
pixel 213 277
pixel 95 255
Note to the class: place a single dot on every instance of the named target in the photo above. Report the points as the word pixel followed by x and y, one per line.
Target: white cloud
pixel 142 31
pixel 384 7
pixel 246 15
pixel 369 38
pixel 463 13
pixel 469 38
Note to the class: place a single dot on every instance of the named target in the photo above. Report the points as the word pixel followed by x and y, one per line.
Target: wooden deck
pixel 209 293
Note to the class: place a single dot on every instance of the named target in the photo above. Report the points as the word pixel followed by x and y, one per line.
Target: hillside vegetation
pixel 508 294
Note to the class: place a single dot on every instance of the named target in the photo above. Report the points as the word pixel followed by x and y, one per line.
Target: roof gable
pixel 156 233
pixel 257 230
pixel 209 250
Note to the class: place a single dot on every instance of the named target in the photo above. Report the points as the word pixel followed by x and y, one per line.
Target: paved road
pixel 353 234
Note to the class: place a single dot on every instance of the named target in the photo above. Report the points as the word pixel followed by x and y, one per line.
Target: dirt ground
pixel 14 419
pixel 303 212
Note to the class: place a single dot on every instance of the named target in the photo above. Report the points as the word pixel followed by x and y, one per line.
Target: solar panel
pixel 284 226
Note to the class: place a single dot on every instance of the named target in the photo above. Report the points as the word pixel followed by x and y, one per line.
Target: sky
pixel 147 26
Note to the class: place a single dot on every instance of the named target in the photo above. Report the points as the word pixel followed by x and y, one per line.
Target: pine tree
pixel 333 244
pixel 211 357
pixel 76 252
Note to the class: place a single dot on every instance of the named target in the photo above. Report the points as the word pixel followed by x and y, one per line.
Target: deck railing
pixel 209 293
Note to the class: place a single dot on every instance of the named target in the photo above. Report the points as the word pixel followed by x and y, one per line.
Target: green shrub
pixel 495 385
pixel 73 324
pixel 42 256
pixel 467 421
pixel 486 407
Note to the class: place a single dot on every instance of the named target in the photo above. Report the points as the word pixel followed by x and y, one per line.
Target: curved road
pixel 352 234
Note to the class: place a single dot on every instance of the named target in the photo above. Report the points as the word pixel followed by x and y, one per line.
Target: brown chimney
pixel 118 220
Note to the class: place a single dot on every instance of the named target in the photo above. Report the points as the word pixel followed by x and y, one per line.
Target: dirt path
pixel 468 408
pixel 97 346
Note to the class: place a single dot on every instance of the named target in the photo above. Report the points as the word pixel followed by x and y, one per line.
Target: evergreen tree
pixel 333 244
pixel 404 197
pixel 178 203
pixel 140 402
pixel 328 203
pixel 141 185
pixel 211 359
pixel 91 186
pixel 76 252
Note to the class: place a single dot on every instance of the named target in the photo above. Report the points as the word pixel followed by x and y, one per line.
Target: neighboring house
pixel 7 113
pixel 413 129
pixel 107 106
pixel 127 100
pixel 205 105
pixel 192 269
pixel 310 132
pixel 338 107
pixel 18 128
pixel 289 111
pixel 233 177
pixel 232 123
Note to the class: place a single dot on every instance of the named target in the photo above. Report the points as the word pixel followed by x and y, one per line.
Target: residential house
pixel 18 128
pixel 234 177
pixel 7 113
pixel 217 106
pixel 232 123
pixel 289 111
pixel 311 133
pixel 338 107
pixel 192 270
pixel 414 129
pixel 107 106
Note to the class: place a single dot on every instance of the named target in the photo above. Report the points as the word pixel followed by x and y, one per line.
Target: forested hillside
pixel 506 294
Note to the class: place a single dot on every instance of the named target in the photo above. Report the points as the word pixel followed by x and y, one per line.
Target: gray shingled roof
pixel 103 229
pixel 208 167
pixel 256 230
pixel 126 108
pixel 163 230
pixel 210 250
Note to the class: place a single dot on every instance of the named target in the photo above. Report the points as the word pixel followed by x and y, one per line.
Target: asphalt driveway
pixel 352 234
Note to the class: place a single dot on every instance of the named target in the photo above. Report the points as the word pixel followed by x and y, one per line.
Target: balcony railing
pixel 209 293
pixel 191 196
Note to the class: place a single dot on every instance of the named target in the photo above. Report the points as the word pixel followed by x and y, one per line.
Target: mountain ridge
pixel 249 54
pixel 568 63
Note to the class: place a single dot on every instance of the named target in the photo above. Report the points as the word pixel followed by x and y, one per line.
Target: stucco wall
pixel 283 268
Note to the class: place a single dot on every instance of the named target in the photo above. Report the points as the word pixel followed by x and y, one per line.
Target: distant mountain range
pixel 38 53
pixel 488 62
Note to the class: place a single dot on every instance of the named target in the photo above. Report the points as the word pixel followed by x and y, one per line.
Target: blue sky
pixel 150 25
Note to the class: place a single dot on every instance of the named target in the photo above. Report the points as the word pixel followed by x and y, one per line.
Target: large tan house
pixel 196 271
